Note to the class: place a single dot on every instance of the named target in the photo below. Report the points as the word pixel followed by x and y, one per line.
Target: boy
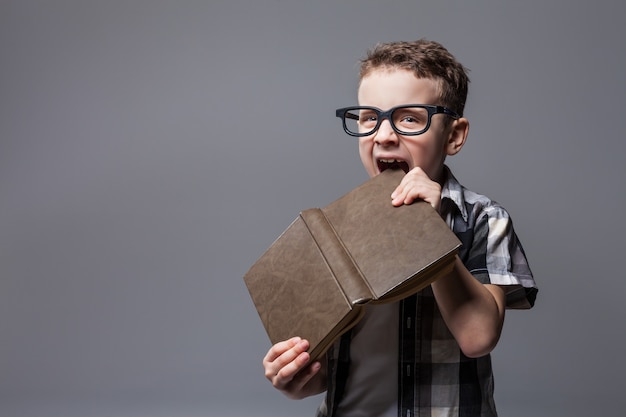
pixel 429 353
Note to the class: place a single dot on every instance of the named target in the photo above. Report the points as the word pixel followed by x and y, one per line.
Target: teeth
pixel 386 163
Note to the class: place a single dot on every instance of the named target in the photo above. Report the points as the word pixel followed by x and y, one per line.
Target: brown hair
pixel 426 59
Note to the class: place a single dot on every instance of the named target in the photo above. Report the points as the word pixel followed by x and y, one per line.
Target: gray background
pixel 151 150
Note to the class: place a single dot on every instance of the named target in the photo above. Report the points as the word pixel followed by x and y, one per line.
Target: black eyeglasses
pixel 408 119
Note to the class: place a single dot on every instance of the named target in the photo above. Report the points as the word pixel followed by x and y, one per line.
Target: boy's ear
pixel 457 136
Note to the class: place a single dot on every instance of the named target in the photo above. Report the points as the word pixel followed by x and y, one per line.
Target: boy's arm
pixel 287 367
pixel 473 312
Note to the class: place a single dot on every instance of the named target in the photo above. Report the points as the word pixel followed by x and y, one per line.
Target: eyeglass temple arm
pixel 346 114
pixel 451 113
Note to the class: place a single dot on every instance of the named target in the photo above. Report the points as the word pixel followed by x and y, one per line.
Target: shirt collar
pixel 453 191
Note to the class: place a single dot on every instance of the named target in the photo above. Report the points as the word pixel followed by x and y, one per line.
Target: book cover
pixel 317 277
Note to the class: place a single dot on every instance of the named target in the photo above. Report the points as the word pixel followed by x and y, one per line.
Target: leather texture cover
pixel 319 274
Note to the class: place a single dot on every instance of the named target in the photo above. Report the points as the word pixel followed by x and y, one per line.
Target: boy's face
pixel 385 89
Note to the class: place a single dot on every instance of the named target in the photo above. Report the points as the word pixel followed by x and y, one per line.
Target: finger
pixel 413 179
pixel 399 194
pixel 304 376
pixel 280 348
pixel 417 186
pixel 406 193
pixel 430 194
pixel 288 372
pixel 284 367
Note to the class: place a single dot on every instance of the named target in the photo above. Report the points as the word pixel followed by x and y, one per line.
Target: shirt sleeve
pixel 497 257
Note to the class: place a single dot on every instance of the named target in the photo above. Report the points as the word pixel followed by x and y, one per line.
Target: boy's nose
pixel 385 135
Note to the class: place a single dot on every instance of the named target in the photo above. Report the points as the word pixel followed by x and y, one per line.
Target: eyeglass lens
pixel 405 119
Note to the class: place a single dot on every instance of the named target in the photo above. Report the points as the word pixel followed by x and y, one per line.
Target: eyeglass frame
pixel 342 113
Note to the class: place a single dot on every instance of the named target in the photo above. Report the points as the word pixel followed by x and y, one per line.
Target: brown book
pixel 315 280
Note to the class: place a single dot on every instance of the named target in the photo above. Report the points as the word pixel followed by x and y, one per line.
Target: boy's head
pixel 411 95
pixel 425 59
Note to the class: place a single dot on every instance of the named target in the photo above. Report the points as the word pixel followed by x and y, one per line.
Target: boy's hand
pixel 287 367
pixel 417 185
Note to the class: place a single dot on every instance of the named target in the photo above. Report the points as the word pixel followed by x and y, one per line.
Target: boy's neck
pixel 443 176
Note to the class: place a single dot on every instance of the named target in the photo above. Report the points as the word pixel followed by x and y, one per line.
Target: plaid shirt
pixel 433 376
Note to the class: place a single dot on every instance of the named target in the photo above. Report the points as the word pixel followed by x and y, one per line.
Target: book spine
pixel 346 273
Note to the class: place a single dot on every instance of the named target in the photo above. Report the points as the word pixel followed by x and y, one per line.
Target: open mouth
pixel 384 164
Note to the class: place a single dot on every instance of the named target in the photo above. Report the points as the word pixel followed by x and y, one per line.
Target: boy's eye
pixel 411 119
pixel 408 118
pixel 368 119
